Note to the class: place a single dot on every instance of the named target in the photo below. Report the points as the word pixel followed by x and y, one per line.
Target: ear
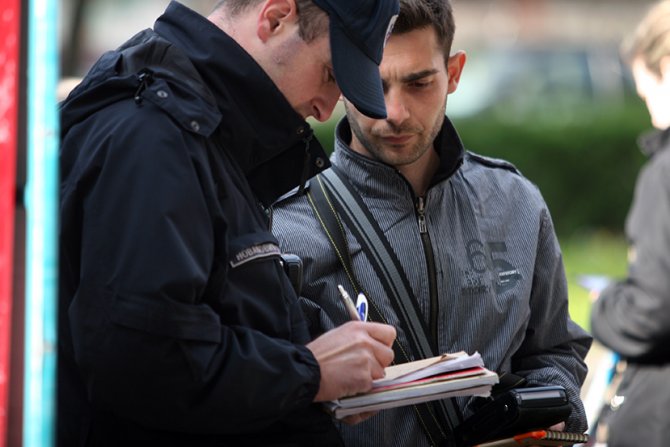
pixel 455 66
pixel 274 16
pixel 665 69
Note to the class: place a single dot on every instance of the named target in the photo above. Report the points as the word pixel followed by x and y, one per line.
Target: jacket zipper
pixel 430 263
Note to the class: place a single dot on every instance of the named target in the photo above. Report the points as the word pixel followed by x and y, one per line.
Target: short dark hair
pixel 312 20
pixel 416 14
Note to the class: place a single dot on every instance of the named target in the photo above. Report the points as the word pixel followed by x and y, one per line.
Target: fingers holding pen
pixel 374 341
pixel 383 336
pixel 384 333
pixel 351 356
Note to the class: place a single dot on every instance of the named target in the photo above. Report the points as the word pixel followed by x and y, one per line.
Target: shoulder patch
pixel 258 251
pixel 492 162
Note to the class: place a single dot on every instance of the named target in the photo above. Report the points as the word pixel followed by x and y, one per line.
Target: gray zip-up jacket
pixel 482 259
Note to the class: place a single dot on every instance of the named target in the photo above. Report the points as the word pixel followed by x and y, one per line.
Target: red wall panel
pixel 9 94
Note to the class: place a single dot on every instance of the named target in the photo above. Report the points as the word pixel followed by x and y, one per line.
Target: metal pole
pixel 41 226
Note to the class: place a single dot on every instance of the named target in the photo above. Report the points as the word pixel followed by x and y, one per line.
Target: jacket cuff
pixel 312 381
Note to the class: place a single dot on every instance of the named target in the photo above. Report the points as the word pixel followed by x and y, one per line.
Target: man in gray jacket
pixel 475 238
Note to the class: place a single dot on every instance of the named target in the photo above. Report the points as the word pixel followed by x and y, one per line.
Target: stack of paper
pixel 447 375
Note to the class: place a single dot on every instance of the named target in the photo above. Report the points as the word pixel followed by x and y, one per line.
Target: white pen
pixel 349 304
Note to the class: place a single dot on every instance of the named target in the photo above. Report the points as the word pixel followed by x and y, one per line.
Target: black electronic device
pixel 292 265
pixel 515 411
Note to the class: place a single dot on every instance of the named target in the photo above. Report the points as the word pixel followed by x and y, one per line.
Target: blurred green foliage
pixel 585 167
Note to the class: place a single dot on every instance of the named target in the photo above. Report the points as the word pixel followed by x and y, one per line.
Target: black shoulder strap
pixel 355 213
pixel 332 197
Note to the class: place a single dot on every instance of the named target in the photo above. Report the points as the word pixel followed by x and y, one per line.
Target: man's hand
pixel 558 427
pixel 351 356
pixel 358 418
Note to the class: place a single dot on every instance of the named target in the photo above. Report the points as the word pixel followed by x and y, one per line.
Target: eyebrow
pixel 419 75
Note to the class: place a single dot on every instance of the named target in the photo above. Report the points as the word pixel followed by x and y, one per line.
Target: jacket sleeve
pixel 554 347
pixel 632 316
pixel 149 348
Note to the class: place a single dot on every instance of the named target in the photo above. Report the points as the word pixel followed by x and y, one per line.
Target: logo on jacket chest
pixel 483 257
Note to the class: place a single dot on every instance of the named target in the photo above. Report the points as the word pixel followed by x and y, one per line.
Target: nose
pixel 396 111
pixel 323 106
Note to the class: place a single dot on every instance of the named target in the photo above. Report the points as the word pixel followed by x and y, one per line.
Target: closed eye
pixel 330 75
pixel 420 84
pixel 420 79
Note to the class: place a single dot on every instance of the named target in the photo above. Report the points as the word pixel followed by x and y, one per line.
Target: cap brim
pixel 356 74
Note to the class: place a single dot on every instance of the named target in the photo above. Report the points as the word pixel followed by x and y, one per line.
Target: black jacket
pixel 632 317
pixel 178 326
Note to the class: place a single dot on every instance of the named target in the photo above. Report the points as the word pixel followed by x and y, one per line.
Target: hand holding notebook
pixel 424 380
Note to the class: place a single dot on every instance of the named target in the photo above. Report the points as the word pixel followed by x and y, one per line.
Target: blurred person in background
pixel 475 238
pixel 177 323
pixel 632 316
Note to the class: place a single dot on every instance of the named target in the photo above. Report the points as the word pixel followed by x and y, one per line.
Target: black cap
pixel 358 33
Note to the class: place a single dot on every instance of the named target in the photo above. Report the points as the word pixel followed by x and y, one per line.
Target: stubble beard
pixel 389 155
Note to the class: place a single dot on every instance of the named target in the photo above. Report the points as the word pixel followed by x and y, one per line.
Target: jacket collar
pixel 654 141
pixel 377 179
pixel 271 143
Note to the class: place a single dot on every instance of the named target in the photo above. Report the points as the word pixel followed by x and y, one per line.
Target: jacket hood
pixel 137 70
